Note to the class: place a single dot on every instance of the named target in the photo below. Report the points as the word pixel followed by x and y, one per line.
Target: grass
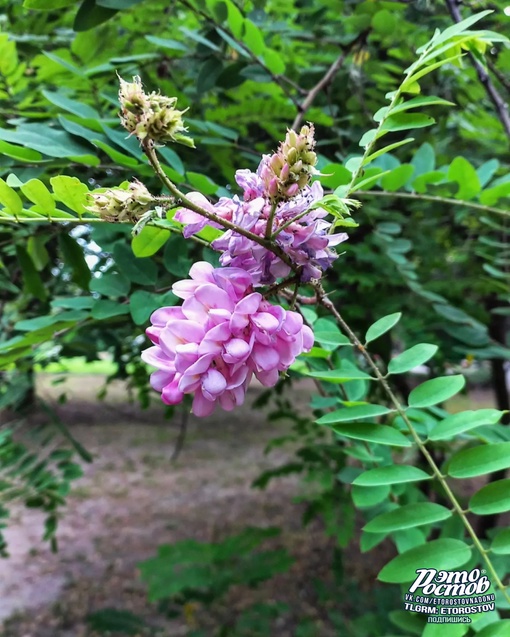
pixel 79 365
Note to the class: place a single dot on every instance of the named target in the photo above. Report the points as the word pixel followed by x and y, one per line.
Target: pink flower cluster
pixel 222 335
pixel 302 233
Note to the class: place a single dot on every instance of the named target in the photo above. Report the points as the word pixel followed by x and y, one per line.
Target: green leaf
pixel 366 497
pixel 392 474
pixel 105 309
pixel 37 192
pixel 444 555
pixel 500 628
pixel 142 271
pixel 118 4
pixel 31 278
pixel 37 250
pixel 419 102
pixel 386 149
pixel 253 38
pixel 364 184
pixel 10 198
pixel 18 152
pixel 408 516
pixel 73 257
pixel 357 412
pixel 381 434
pixel 397 178
pixel 149 241
pixel 480 460
pixel 330 337
pixel 347 371
pixel 115 155
pixel 202 183
pixel 411 358
pixel 111 620
pixel 492 498
pixel 67 104
pixel 47 5
pixel 167 43
pixel 465 175
pixel 142 304
pixel 74 302
pixel 112 284
pixel 64 63
pixel 464 421
pixel 274 62
pixel 435 391
pixel 384 22
pixel 456 29
pixel 412 79
pixel 501 543
pixel 406 121
pixel 90 15
pixel 382 326
pixel 71 192
pixel 437 630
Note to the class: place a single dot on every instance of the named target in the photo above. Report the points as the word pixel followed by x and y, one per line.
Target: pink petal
pixel 200 366
pixel 194 310
pixel 265 321
pixel 202 272
pixel 268 379
pixel 157 358
pixel 308 338
pixel 236 351
pixel 213 384
pixel 201 406
pixel 265 358
pixel 186 331
pixel 240 376
pixel 171 394
pixel 160 379
pixel 213 297
pixel 249 304
pixel 184 289
pixel 161 317
pixel 186 355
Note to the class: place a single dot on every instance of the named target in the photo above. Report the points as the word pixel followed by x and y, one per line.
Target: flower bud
pixel 152 116
pixel 117 205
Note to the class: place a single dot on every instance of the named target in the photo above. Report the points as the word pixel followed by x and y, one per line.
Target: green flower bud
pixel 117 205
pixel 152 116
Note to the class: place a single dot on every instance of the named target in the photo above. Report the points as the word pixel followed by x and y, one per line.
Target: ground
pixel 134 498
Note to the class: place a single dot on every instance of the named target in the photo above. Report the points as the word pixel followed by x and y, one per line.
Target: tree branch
pixel 499 103
pixel 325 80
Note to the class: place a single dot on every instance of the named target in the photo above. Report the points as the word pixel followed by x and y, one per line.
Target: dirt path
pixel 132 499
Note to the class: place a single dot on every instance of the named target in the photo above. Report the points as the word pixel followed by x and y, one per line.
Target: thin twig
pixel 324 81
pixel 325 302
pixel 443 200
pixel 499 103
pixel 148 148
pixel 183 429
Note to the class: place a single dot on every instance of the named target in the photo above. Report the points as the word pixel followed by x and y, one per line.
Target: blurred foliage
pixel 432 239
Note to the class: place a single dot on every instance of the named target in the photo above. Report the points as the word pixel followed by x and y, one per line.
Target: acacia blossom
pixel 222 335
pixel 303 234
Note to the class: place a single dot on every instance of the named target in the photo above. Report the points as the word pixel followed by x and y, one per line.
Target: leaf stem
pixel 449 201
pixel 326 303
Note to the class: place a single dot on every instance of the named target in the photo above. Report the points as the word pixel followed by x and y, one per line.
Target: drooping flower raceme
pixel 222 335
